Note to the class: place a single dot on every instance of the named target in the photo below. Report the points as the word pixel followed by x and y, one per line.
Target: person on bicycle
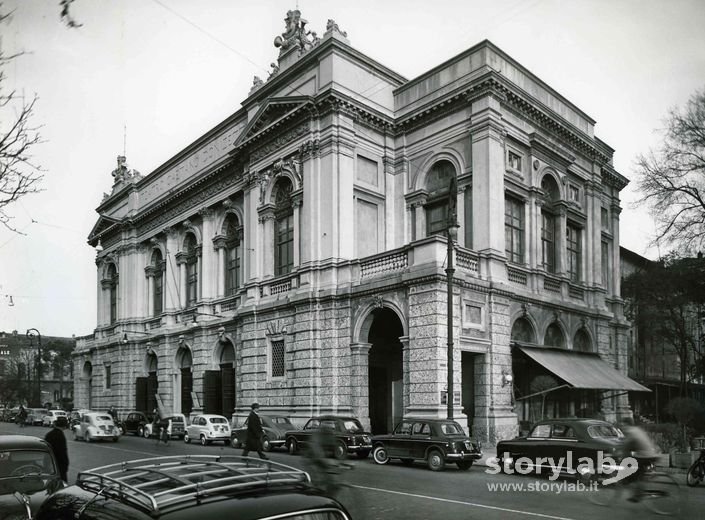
pixel 638 444
pixel 323 471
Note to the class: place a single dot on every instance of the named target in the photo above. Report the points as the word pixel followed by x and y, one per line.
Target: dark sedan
pixel 566 446
pixel 134 423
pixel 435 441
pixel 28 475
pixel 350 436
pixel 275 428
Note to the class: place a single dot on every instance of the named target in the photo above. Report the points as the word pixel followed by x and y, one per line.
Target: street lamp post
pixel 30 335
pixel 452 235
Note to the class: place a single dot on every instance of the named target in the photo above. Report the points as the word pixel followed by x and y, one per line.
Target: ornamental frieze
pixel 279 142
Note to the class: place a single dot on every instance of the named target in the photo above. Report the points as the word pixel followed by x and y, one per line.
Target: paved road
pixel 398 492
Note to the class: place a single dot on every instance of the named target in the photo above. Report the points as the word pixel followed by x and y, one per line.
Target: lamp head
pixel 99 246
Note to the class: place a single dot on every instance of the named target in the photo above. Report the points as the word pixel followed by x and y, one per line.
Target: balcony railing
pixel 467 260
pixel 576 292
pixel 552 284
pixel 384 263
pixel 516 275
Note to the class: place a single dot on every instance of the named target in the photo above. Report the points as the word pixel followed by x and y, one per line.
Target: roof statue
pixel 332 26
pixel 256 83
pixel 295 35
pixel 122 172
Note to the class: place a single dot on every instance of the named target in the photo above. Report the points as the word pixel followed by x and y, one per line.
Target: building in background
pixel 19 359
pixel 295 254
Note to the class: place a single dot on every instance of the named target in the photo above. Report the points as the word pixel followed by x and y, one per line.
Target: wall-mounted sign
pixel 444 397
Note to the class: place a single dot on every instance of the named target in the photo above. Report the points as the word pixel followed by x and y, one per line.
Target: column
pixel 406 361
pixel 267 244
pixel 562 256
pixel 359 362
pixel 460 204
pixel 616 275
pixel 181 262
pixel 172 273
pixel 297 203
pixel 149 273
pixel 208 261
pixel 420 220
pixel 219 248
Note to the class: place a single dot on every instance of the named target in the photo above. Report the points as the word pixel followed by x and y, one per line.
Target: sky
pixel 148 77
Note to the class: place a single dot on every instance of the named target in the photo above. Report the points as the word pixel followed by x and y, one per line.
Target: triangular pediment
pixel 104 223
pixel 273 112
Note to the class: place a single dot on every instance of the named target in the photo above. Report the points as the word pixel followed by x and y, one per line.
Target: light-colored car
pixel 51 416
pixel 208 428
pixel 176 428
pixel 95 426
pixel 35 416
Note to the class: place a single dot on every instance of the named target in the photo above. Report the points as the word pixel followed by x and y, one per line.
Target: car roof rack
pixel 159 482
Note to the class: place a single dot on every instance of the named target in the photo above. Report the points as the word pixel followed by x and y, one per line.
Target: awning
pixel 582 369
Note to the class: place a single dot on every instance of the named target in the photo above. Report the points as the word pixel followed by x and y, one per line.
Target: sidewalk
pixel 662 464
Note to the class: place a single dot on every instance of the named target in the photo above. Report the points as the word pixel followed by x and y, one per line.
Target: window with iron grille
pixel 514 230
pixel 548 241
pixel 108 377
pixel 574 252
pixel 278 358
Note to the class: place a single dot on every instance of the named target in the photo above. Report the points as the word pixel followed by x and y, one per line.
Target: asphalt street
pixel 395 491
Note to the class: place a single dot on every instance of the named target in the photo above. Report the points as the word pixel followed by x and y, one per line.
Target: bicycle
pixel 659 492
pixel 696 472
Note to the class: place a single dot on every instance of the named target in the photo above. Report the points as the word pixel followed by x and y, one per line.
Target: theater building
pixel 296 254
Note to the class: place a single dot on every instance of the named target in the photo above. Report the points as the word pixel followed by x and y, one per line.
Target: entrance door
pixel 141 395
pixel 152 389
pixel 468 387
pixel 212 398
pixel 186 388
pixel 227 382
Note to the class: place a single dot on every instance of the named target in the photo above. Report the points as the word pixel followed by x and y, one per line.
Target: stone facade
pixel 295 255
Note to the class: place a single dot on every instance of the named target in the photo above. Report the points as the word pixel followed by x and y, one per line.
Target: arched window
pixel 548 223
pixel 581 341
pixel 283 228
pixel 191 270
pixel 233 260
pixel 523 331
pixel 113 289
pixel 158 287
pixel 437 186
pixel 554 336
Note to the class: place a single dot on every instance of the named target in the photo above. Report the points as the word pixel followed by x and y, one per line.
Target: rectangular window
pixel 473 315
pixel 278 358
pixel 574 193
pixel 233 270
pixel 514 230
pixel 113 303
pixel 437 218
pixel 367 170
pixel 574 246
pixel 605 217
pixel 605 257
pixel 158 291
pixel 192 283
pixel 514 160
pixel 284 248
pixel 548 241
pixel 108 377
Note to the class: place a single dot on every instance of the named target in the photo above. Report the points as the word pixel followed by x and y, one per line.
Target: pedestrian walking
pixel 57 441
pixel 113 413
pixel 255 432
pixel 22 416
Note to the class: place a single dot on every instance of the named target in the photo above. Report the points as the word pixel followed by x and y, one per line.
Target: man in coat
pixel 254 433
pixel 57 441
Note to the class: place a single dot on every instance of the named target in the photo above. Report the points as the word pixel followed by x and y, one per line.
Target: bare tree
pixel 19 175
pixel 672 178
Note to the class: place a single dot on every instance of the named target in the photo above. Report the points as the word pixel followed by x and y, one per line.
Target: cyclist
pixel 324 471
pixel 637 444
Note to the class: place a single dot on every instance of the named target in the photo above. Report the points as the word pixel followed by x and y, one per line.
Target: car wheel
pixel 140 431
pixel 407 462
pixel 234 442
pixel 187 439
pixel 505 467
pixel 435 460
pixel 464 464
pixel 204 441
pixel 363 454
pixel 266 446
pixel 115 439
pixel 293 446
pixel 75 435
pixel 87 437
pixel 340 451
pixel 379 455
pixel 145 433
pixel 121 429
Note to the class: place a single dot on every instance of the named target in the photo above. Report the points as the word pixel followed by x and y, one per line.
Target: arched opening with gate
pixel 147 387
pixel 183 381
pixel 219 385
pixel 386 373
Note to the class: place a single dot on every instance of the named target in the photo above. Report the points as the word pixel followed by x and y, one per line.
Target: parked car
pixel 275 428
pixel 75 417
pixel 208 428
pixel 176 428
pixel 134 423
pixel 51 416
pixel 35 416
pixel 193 486
pixel 95 426
pixel 27 467
pixel 556 438
pixel 350 436
pixel 435 441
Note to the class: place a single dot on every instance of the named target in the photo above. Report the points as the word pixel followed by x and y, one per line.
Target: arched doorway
pixel 219 385
pixel 147 387
pixel 184 375
pixel 87 376
pixel 386 373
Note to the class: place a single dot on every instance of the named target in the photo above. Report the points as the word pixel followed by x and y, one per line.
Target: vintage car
pixel 350 436
pixel 96 426
pixel 35 416
pixel 51 417
pixel 208 428
pixel 275 428
pixel 75 417
pixel 176 428
pixel 28 475
pixel 193 486
pixel 435 441
pixel 134 422
pixel 571 440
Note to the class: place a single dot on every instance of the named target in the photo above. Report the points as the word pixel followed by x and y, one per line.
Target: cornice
pixel 611 177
